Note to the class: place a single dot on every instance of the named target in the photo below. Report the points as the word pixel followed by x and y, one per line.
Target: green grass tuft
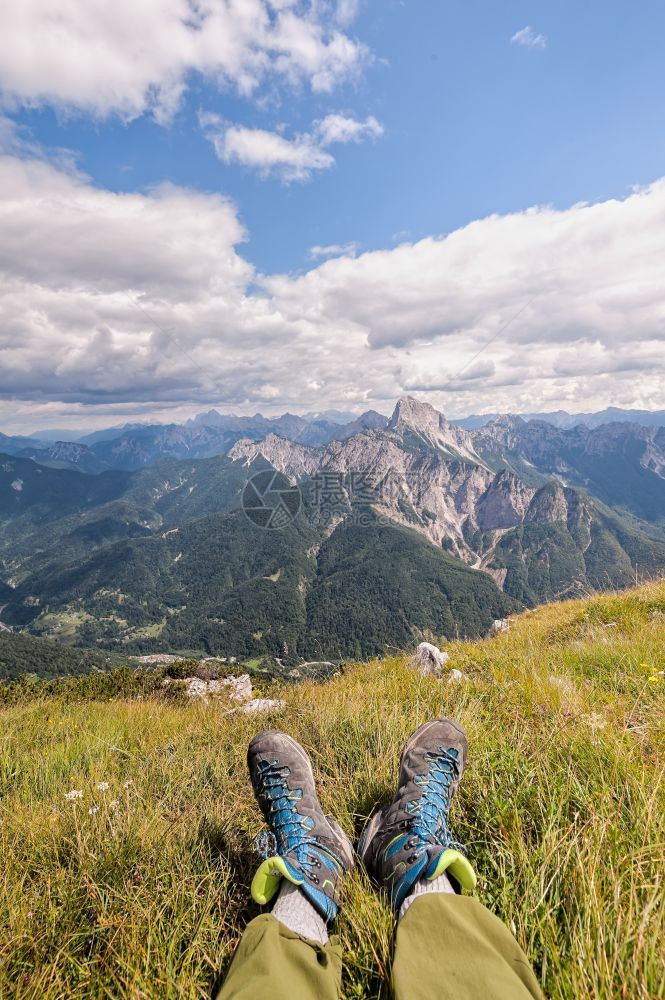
pixel 141 889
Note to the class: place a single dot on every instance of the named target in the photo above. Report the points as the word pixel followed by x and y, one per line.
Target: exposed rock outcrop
pixel 262 705
pixel 198 689
pixel 239 688
pixel 429 659
pixel 155 658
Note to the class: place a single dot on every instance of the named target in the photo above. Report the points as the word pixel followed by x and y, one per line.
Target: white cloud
pixel 529 38
pixel 352 331
pixel 128 58
pixel 346 11
pixel 341 128
pixel 334 250
pixel 293 159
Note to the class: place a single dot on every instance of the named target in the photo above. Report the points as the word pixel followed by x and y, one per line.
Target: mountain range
pixel 134 446
pixel 407 528
pixel 137 445
pixel 565 420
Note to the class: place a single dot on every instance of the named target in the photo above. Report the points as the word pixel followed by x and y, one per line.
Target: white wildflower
pixel 103 786
pixel 92 810
pixel 128 783
pixel 75 793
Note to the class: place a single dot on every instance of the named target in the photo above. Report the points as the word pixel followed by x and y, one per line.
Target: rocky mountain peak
pixel 503 425
pixel 370 420
pixel 292 459
pixel 413 415
pixel 508 420
pixel 417 414
pixel 506 430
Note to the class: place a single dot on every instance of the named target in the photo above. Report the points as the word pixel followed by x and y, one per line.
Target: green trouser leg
pixel 448 948
pixel 452 948
pixel 273 962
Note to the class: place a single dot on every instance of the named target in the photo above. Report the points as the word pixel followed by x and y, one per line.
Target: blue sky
pixel 473 125
pixel 450 113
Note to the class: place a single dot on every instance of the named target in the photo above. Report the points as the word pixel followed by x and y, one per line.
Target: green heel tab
pixel 458 866
pixel 268 876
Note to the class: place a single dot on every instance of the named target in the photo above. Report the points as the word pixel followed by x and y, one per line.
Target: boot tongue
pixel 456 866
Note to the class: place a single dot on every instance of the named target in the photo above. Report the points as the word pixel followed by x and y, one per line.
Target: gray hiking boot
pixel 409 839
pixel 303 845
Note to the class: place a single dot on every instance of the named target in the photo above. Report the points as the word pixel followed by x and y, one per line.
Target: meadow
pixel 127 824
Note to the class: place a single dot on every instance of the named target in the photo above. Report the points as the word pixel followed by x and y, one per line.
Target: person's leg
pixel 275 962
pixel 451 947
pixel 448 947
pixel 287 955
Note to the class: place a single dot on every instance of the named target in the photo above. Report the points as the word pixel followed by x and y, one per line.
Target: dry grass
pixel 141 889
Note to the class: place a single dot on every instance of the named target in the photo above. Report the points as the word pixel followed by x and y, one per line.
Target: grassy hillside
pixel 141 889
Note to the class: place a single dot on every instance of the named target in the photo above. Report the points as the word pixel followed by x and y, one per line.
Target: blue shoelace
pixel 289 831
pixel 430 811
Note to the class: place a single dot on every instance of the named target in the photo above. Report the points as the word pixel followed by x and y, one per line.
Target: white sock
pixel 439 884
pixel 295 911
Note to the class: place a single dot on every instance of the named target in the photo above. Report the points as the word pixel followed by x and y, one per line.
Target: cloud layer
pixel 352 331
pixel 130 57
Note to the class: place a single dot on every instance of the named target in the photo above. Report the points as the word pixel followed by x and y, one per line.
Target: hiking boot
pixel 302 845
pixel 409 839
